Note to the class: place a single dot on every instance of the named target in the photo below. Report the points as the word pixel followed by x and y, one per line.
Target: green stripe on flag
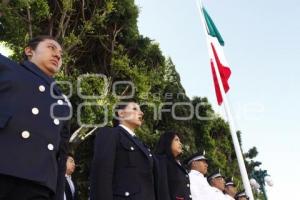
pixel 213 31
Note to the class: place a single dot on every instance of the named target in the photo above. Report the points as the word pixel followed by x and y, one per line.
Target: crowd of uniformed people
pixel 34 136
pixel 123 167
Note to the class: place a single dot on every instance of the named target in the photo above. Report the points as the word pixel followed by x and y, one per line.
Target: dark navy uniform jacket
pixel 68 191
pixel 174 182
pixel 122 169
pixel 33 143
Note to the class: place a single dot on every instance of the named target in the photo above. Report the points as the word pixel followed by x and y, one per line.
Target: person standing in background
pixel 216 180
pixel 174 183
pixel 200 188
pixel 230 189
pixel 241 196
pixel 71 191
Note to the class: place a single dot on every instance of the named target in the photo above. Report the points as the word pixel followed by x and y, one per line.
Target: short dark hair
pixel 34 42
pixel 165 142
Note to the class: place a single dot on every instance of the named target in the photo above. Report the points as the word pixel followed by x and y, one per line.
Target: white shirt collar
pixel 196 172
pixel 217 189
pixel 127 129
pixel 68 176
pixel 229 197
pixel 71 184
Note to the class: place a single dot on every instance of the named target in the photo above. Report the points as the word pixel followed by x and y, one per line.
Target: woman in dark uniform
pixel 34 125
pixel 173 180
pixel 122 166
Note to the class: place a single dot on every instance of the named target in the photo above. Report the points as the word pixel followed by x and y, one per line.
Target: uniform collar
pixel 68 176
pixel 128 130
pixel 196 172
pixel 37 71
pixel 217 189
pixel 228 196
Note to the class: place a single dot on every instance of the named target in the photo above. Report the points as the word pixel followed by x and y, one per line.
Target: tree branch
pixel 61 24
pixel 29 21
pixel 104 46
pixel 125 91
pixel 115 34
pixel 65 26
pixel 82 10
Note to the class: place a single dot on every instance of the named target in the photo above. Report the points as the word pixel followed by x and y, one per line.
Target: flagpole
pixel 233 131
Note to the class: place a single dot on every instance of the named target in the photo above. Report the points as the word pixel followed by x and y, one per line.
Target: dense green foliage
pixel 101 37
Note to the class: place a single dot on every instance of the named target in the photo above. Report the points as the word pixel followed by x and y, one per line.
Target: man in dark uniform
pixel 71 190
pixel 34 129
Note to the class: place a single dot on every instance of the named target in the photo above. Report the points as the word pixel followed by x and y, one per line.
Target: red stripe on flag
pixel 224 73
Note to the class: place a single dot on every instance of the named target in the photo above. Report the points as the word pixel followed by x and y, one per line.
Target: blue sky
pixel 262 48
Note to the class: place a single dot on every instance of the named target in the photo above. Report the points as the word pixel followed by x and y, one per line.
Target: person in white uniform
pixel 241 196
pixel 216 180
pixel 230 189
pixel 200 189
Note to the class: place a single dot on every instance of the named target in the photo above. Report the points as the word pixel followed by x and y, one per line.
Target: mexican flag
pixel 217 56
